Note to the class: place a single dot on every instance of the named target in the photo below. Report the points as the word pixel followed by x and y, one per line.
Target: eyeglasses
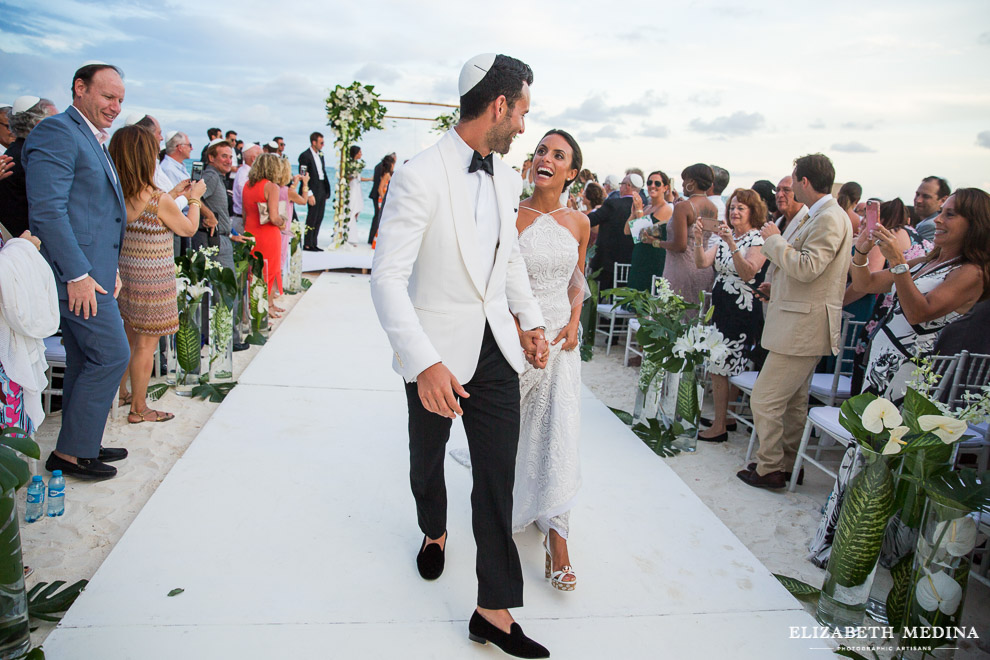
pixel 655 184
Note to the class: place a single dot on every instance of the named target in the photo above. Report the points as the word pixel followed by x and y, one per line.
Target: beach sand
pixel 776 527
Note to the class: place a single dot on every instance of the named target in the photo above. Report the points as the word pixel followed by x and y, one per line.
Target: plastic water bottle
pixel 56 494
pixel 35 508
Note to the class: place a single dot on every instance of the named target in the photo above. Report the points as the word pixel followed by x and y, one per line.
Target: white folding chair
pixel 608 311
pixel 55 356
pixel 826 420
pixel 632 346
pixel 972 373
pixel 836 387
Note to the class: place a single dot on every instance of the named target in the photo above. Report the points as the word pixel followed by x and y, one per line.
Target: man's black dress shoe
pixel 707 422
pixel 312 249
pixel 111 454
pixel 430 560
pixel 787 475
pixel 773 480
pixel 515 643
pixel 87 468
pixel 721 437
pixel 243 346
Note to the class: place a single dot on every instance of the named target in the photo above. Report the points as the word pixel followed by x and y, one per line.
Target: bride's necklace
pixel 530 208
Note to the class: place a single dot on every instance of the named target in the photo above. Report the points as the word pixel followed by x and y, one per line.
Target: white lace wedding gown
pixel 547 467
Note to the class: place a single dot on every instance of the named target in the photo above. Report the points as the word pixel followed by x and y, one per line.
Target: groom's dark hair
pixel 505 78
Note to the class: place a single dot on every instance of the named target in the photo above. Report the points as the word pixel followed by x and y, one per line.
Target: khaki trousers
pixel 780 409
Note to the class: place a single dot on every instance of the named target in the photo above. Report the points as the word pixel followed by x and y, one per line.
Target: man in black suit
pixel 613 245
pixel 211 135
pixel 376 180
pixel 319 189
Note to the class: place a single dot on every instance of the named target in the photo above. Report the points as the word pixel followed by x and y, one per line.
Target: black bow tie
pixel 479 163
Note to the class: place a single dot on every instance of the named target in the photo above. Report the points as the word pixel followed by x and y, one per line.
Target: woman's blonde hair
pixel 266 166
pixel 286 170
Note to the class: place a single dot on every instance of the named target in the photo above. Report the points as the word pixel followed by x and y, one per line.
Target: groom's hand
pixel 437 386
pixel 534 345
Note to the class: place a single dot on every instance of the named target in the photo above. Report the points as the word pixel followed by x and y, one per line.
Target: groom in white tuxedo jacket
pixel 452 293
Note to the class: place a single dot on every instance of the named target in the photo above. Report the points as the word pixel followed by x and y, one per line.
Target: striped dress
pixel 147 270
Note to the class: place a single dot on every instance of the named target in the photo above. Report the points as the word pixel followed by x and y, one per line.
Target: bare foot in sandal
pixel 148 415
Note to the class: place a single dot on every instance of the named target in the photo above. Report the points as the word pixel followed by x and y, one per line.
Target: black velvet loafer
pixel 730 426
pixel 111 454
pixel 86 468
pixel 773 480
pixel 787 475
pixel 514 643
pixel 430 560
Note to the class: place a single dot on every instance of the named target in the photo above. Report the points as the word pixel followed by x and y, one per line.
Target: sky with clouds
pixel 891 91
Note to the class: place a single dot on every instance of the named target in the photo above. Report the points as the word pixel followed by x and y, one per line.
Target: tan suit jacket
pixel 805 312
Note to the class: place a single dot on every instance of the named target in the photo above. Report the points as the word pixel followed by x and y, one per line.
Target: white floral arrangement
pixel 351 112
pixel 447 121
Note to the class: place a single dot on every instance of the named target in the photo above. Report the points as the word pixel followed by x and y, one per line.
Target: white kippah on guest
pixel 170 135
pixel 612 181
pixel 216 141
pixel 5 105
pixel 22 103
pixel 635 180
pixel 92 62
pixel 134 118
pixel 473 71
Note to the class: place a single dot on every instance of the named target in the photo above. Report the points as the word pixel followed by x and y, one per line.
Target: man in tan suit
pixel 804 318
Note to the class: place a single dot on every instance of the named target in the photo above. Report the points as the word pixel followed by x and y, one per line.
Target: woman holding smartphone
pixel 739 266
pixel 685 279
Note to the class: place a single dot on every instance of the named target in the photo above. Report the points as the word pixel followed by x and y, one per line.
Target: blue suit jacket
pixel 75 204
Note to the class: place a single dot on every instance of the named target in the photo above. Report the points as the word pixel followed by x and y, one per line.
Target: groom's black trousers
pixel 491 422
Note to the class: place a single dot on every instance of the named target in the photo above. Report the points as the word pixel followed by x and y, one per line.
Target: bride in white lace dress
pixel 553 241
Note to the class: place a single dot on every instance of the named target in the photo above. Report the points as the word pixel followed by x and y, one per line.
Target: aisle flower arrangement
pixel 351 112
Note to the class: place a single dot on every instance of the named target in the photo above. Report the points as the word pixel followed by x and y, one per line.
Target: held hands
pixel 569 335
pixel 769 229
pixel 437 387
pixel 534 345
pixel 82 295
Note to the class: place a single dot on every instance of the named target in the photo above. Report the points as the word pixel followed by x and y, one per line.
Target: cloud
pixel 817 125
pixel 595 109
pixel 377 73
pixel 609 132
pixel 859 125
pixel 984 39
pixel 710 99
pixel 983 139
pixel 68 26
pixel 655 131
pixel 853 148
pixel 738 123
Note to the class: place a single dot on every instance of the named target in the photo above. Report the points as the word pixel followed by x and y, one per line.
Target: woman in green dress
pixel 648 228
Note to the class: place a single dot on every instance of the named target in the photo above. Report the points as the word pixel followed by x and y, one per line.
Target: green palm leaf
pixel 866 509
pixel 798 589
pixel 187 345
pixel 45 601
pixel 964 489
pixel 897 597
pixel 687 397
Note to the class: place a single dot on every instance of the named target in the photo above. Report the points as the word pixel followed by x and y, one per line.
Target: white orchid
pixel 198 290
pixel 682 346
pixel 947 429
pixel 958 536
pixel 881 414
pixel 895 443
pixel 938 591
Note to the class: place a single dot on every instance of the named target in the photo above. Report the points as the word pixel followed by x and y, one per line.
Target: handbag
pixel 264 218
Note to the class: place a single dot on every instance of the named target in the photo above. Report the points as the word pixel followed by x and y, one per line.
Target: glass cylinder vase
pixel 939 577
pixel 866 510
pixel 294 284
pixel 679 408
pixel 15 633
pixel 188 347
pixel 221 343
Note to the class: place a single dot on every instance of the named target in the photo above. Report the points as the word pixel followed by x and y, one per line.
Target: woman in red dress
pixel 262 189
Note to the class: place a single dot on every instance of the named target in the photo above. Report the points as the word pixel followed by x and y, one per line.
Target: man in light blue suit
pixel 76 208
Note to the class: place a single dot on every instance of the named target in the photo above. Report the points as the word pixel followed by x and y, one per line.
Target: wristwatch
pixel 899 269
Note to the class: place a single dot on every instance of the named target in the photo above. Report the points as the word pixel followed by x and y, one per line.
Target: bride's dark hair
pixel 576 158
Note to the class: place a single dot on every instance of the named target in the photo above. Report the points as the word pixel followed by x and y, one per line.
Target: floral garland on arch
pixel 445 122
pixel 352 111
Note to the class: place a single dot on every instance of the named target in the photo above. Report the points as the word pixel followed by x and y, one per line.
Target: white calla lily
pixel 938 591
pixel 895 443
pixel 881 414
pixel 948 429
pixel 958 535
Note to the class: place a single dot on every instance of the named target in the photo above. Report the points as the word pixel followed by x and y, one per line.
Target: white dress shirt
pixel 817 205
pixel 481 188
pixel 319 163
pixel 240 180
pixel 164 183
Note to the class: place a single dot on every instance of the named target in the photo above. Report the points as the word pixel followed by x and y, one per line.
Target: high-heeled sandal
pixel 557 577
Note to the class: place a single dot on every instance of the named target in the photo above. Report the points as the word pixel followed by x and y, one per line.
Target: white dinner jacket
pixel 427 279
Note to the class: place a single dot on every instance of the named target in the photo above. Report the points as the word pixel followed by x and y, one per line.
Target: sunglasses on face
pixel 655 184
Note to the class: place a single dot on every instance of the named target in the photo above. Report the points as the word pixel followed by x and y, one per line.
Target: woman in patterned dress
pixel 147 297
pixel 553 241
pixel 739 266
pixel 929 292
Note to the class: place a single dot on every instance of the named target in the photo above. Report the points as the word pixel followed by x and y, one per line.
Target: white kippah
pixel 22 103
pixel 91 62
pixel 170 135
pixel 635 180
pixel 217 141
pixel 4 105
pixel 473 71
pixel 134 118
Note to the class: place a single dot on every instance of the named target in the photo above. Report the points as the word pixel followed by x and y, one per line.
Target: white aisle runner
pixel 290 526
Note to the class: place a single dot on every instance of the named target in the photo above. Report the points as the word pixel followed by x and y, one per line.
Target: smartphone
pixel 303 169
pixel 197 171
pixel 710 224
pixel 756 292
pixel 872 216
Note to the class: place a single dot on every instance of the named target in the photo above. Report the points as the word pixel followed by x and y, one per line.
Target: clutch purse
pixel 263 212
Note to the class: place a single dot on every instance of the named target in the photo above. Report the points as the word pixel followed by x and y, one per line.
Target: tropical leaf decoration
pixel 657 437
pixel 157 391
pixel 215 392
pixel 799 589
pixel 687 396
pixel 187 345
pixel 46 602
pixel 625 417
pixel 963 489
pixel 897 597
pixel 14 471
pixel 866 509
